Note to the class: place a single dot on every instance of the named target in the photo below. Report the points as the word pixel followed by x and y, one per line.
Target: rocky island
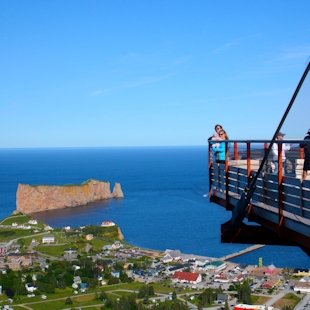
pixel 44 197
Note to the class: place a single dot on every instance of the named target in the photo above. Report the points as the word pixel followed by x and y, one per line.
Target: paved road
pixel 303 303
pixel 300 306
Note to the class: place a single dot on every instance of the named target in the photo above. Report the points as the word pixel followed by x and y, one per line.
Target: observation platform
pixel 279 208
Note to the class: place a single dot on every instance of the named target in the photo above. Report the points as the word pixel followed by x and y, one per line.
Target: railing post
pixel 301 152
pixel 248 152
pixel 210 167
pixel 265 147
pixel 280 198
pixel 226 175
pixel 235 150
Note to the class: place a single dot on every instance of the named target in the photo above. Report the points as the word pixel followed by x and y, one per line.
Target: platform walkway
pixel 280 203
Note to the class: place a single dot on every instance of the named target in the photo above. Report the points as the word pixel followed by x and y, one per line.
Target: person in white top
pixel 274 149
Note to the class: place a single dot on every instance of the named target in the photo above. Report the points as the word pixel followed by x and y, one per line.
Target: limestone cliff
pixel 120 234
pixel 40 198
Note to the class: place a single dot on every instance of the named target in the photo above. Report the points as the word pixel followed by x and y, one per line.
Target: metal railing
pixel 279 201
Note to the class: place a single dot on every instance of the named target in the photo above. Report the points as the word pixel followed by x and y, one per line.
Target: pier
pixel 247 250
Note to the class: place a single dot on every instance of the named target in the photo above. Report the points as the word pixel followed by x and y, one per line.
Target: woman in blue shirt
pixel 221 148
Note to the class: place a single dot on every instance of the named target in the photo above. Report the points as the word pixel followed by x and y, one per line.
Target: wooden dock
pixel 247 250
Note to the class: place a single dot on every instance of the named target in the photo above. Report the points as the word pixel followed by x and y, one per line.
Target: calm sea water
pixel 164 205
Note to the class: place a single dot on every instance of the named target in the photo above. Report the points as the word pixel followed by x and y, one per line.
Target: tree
pixel 40 286
pixel 146 299
pixel 113 280
pixel 231 288
pixel 119 266
pixel 49 288
pixel 200 306
pixel 174 295
pixel 207 296
pixel 21 242
pixel 244 293
pixel 226 306
pixel 6 281
pixel 61 284
pixel 103 295
pixel 68 278
pixel 68 301
pixel 20 289
pixel 28 278
pixel 9 292
pixel 143 291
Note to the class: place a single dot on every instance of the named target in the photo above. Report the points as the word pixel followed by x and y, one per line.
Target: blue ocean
pixel 164 205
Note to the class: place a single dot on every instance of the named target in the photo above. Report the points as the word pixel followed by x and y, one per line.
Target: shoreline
pixel 160 253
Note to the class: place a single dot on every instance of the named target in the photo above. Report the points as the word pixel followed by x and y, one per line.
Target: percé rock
pixel 43 197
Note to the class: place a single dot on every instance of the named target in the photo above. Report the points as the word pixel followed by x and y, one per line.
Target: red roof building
pixel 187 277
pixel 271 269
pixel 238 278
pixel 270 283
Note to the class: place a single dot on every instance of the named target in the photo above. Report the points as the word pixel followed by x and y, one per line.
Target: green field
pixel 20 219
pixel 75 238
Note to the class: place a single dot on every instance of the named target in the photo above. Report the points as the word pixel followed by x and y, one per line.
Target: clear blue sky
pixel 150 73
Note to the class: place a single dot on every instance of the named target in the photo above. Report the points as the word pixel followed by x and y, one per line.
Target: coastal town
pixel 39 264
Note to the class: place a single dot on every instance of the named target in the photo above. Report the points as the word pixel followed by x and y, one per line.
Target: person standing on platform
pixel 306 147
pixel 274 149
pixel 221 148
pixel 215 138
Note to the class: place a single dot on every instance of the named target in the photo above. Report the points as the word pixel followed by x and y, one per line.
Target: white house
pixel 48 239
pixel 89 237
pixel 107 224
pixel 75 285
pixel 70 250
pixel 171 255
pixel 33 222
pixel 30 287
pixel 303 285
pixel 221 278
pixel 117 245
pixel 47 227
